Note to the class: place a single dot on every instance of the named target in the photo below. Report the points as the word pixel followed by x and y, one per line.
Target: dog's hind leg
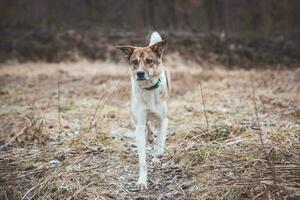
pixel 150 133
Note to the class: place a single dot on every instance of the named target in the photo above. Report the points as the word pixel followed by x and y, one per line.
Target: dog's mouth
pixel 141 79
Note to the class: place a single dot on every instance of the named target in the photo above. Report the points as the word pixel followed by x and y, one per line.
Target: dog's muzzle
pixel 141 75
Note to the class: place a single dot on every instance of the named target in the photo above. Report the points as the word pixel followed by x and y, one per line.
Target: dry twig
pixel 204 109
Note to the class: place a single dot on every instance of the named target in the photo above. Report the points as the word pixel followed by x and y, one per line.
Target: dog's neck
pixel 156 85
pixel 148 84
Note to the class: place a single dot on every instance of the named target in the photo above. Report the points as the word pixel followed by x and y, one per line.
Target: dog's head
pixel 145 62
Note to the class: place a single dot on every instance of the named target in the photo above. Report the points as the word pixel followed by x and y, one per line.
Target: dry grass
pixel 229 150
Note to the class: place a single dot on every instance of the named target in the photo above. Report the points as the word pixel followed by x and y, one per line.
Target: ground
pixel 66 133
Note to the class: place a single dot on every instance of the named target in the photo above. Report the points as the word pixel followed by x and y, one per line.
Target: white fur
pixel 144 102
pixel 154 38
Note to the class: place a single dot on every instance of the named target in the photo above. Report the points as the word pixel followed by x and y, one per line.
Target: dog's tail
pixel 154 38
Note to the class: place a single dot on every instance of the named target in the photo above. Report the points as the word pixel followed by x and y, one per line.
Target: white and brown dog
pixel 151 86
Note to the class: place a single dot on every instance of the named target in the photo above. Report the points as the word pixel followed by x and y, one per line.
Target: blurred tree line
pixel 230 16
pixel 230 32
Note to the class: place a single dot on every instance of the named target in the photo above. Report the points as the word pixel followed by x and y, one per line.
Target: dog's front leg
pixel 140 135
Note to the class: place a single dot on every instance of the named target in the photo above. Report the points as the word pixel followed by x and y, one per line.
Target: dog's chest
pixel 151 99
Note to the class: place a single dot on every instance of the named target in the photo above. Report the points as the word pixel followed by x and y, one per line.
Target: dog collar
pixel 154 86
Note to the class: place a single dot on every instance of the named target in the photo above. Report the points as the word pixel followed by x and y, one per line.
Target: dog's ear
pixel 158 47
pixel 127 50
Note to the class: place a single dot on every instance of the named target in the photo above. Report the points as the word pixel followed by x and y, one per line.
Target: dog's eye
pixel 149 61
pixel 135 62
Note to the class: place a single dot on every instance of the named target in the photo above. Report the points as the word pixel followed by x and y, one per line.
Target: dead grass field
pixel 87 151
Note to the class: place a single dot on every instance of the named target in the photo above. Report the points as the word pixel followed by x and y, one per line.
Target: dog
pixel 150 90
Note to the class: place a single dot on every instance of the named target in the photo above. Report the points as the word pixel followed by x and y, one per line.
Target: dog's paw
pixel 156 161
pixel 142 184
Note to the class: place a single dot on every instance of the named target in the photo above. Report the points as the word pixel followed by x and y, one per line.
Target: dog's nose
pixel 140 74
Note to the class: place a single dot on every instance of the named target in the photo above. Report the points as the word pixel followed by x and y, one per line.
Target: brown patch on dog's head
pixel 145 62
